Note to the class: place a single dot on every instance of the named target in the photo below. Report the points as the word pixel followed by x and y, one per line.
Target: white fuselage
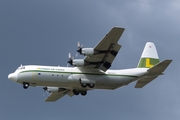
pixel 70 77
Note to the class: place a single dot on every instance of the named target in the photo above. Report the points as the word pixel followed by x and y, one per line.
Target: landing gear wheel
pixel 91 85
pixel 76 92
pixel 83 93
pixel 25 85
pixel 84 85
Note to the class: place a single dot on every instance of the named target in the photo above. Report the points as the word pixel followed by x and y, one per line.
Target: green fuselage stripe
pixel 78 73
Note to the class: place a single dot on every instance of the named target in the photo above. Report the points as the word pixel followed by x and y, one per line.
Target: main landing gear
pixel 83 93
pixel 25 85
pixel 84 85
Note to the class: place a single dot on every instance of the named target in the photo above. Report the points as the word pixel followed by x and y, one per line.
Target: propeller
pixel 70 61
pixel 79 50
pixel 45 90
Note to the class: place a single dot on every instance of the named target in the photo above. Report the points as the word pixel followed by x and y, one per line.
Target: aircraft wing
pixel 56 95
pixel 107 48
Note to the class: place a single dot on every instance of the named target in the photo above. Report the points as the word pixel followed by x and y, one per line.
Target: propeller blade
pixel 70 61
pixel 45 88
pixel 76 54
pixel 79 50
pixel 78 44
pixel 69 55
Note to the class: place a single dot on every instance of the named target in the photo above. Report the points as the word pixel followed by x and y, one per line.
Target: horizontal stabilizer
pixel 144 81
pixel 159 68
pixel 153 73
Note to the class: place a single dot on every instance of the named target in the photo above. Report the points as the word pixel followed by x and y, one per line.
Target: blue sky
pixel 43 32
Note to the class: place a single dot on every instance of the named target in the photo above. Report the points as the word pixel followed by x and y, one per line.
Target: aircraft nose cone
pixel 12 77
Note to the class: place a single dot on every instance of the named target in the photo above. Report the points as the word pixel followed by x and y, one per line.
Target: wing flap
pixel 109 57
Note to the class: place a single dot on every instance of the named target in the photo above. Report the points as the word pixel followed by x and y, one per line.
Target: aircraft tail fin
pixel 149 56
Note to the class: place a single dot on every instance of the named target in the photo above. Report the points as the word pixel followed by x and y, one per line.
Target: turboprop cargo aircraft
pixel 92 72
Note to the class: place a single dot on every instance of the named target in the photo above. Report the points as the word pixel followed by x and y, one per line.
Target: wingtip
pixel 117 27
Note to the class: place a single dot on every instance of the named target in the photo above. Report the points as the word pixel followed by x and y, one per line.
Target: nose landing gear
pixel 25 85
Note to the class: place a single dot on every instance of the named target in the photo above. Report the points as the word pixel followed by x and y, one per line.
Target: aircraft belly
pixel 112 82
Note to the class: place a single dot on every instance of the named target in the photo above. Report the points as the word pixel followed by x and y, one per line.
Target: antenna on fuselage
pixel 45 91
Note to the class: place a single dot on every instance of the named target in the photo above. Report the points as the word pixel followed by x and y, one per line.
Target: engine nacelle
pixel 53 89
pixel 79 62
pixel 88 51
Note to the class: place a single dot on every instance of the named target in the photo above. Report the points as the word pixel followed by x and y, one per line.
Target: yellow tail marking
pixel 148 64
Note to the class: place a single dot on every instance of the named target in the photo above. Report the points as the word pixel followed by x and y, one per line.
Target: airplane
pixel 93 71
